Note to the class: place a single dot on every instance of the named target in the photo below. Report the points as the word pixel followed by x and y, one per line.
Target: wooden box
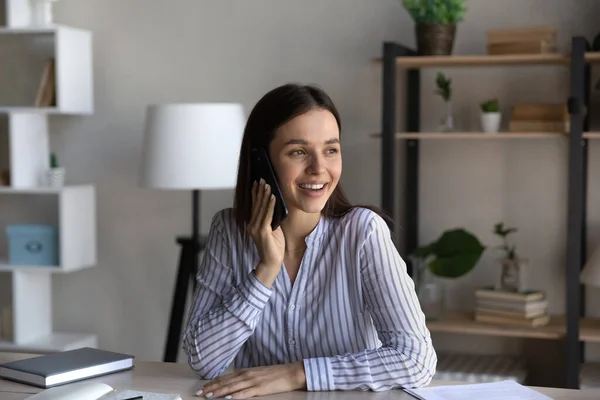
pixel 534 40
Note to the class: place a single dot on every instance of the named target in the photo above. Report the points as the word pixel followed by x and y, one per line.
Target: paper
pixel 503 390
pixel 74 391
pixel 96 391
pixel 126 394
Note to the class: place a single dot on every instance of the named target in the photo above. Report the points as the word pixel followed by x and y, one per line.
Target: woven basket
pixel 435 39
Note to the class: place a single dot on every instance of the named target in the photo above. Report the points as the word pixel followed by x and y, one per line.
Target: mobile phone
pixel 261 168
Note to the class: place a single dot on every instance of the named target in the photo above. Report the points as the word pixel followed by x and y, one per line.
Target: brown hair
pixel 273 110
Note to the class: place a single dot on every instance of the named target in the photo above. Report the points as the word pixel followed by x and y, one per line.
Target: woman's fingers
pixel 265 205
pixel 255 203
pixel 270 211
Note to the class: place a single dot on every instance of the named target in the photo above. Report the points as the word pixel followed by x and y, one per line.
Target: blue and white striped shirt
pixel 352 315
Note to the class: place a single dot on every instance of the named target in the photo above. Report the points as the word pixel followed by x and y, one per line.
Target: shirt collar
pixel 316 233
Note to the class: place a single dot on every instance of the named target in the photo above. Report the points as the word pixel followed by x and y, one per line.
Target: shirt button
pixel 292 342
pixel 292 307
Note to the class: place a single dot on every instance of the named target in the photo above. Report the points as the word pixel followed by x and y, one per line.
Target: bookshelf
pixel 572 327
pixel 54 64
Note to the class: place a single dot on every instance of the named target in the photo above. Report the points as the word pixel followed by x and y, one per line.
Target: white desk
pixel 178 378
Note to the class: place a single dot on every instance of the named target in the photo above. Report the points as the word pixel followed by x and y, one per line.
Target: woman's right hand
pixel 270 243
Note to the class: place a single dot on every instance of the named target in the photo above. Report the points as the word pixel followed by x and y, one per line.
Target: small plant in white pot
pixel 490 116
pixel 55 177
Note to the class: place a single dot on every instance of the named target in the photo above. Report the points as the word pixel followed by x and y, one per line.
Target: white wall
pixel 148 51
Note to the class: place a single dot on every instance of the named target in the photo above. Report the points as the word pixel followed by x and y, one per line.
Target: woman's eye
pixel 297 152
pixel 332 151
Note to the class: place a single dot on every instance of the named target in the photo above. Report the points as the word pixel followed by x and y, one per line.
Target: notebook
pixel 65 367
pixel 97 391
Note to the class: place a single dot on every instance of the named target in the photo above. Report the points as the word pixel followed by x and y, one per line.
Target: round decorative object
pixel 435 39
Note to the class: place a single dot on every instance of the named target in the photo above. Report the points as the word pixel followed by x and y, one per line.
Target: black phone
pixel 262 168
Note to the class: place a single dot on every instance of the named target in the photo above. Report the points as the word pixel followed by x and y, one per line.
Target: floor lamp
pixel 190 147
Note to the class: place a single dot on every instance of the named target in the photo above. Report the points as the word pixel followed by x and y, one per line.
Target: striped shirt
pixel 352 316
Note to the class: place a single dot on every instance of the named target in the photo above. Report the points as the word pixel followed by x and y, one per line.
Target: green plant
pixel 436 11
pixel 53 160
pixel 490 106
pixel 503 232
pixel 454 254
pixel 444 86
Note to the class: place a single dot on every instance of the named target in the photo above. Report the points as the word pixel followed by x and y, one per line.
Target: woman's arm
pixel 407 357
pixel 223 315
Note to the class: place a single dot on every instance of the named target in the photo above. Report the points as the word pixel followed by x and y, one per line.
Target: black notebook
pixel 65 367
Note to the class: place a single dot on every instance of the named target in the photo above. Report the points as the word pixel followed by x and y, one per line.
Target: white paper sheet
pixel 503 390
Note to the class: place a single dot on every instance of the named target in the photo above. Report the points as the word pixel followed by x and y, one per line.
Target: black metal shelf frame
pixel 578 102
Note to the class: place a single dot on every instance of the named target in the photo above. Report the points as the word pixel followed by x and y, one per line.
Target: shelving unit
pixel 29 148
pixel 572 327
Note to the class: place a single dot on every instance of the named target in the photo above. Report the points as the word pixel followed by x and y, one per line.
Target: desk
pixel 178 378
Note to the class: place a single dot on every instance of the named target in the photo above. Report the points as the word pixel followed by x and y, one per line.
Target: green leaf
pixel 436 11
pixel 454 254
pixel 455 266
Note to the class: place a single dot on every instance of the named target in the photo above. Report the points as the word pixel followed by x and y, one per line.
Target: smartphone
pixel 261 168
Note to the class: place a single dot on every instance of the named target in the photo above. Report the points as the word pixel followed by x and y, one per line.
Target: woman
pixel 321 303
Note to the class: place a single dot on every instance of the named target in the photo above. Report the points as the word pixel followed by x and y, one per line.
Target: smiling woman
pixel 323 302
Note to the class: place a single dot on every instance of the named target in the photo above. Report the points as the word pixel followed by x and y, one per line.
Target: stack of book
pixel 540 117
pixel 533 40
pixel 528 308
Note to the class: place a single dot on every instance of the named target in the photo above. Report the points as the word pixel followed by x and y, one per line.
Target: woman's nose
pixel 316 165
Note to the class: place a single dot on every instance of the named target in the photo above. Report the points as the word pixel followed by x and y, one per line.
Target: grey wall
pixel 226 50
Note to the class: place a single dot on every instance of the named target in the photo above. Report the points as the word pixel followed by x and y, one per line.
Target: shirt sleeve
pixel 223 315
pixel 406 358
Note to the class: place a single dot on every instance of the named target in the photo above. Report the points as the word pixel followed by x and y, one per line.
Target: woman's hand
pixel 270 243
pixel 258 381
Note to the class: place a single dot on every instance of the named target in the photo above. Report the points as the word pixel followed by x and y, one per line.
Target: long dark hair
pixel 273 110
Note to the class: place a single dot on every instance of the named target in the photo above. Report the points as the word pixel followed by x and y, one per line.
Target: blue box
pixel 32 245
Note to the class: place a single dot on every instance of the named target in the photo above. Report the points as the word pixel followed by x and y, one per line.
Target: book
pixel 506 390
pixel 535 322
pixel 65 367
pixel 98 391
pixel 491 293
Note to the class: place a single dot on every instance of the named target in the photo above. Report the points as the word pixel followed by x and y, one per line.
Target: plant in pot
pixel 444 90
pixel 55 177
pixel 490 116
pixel 512 267
pixel 454 254
pixel 435 24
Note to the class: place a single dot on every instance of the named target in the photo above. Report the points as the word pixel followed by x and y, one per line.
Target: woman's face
pixel 306 156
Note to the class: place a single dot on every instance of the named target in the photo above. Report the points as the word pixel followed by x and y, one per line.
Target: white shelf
pixel 48 269
pixel 40 190
pixel 71 49
pixel 56 341
pixel 76 228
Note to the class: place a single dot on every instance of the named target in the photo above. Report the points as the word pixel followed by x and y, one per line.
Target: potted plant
pixel 512 267
pixel 55 177
pixel 490 116
pixel 454 254
pixel 435 24
pixel 444 90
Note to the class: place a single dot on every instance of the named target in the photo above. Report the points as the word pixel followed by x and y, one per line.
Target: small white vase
pixel 55 177
pixel 490 122
pixel 41 12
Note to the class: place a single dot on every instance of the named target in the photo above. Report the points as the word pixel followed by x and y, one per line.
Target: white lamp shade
pixel 192 146
pixel 591 271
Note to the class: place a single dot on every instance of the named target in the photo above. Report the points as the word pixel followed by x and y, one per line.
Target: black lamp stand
pixel 188 267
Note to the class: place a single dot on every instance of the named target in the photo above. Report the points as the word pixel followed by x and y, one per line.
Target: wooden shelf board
pixel 486 60
pixel 463 322
pixel 476 135
pixel 591 135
